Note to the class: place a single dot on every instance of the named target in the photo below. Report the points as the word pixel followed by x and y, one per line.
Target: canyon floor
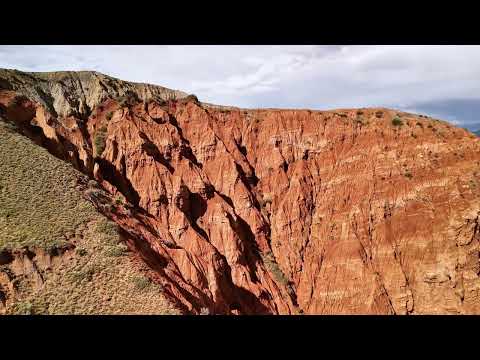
pixel 125 198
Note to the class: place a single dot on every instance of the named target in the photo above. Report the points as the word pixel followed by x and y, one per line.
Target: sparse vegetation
pixel 116 250
pixel 18 100
pixel 108 230
pixel 83 275
pixel 141 282
pixel 191 97
pixel 128 99
pixel 37 208
pixel 122 101
pixel 109 116
pixel 9 127
pixel 100 140
pixel 107 227
pixel 81 252
pixel 408 175
pixel 272 266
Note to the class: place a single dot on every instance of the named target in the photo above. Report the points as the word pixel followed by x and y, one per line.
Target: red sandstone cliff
pixel 239 211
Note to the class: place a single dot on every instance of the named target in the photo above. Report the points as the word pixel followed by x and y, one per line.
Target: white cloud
pixel 318 77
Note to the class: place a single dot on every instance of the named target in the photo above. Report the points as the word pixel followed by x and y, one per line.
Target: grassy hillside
pixel 39 204
pixel 42 210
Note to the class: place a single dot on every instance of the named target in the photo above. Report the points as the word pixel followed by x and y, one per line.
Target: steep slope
pixel 276 211
pixel 58 255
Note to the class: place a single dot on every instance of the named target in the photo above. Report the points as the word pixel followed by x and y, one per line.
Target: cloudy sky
pixel 442 81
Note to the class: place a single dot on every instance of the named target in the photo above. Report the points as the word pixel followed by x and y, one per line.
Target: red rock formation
pixel 284 211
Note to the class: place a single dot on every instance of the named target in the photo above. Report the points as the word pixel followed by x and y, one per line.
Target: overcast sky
pixel 442 81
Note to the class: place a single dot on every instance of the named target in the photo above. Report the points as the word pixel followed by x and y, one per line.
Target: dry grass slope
pixel 39 205
pixel 40 208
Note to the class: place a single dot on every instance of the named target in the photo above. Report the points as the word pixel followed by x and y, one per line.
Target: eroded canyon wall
pixel 355 211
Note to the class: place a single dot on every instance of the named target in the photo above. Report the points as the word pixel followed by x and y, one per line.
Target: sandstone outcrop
pixel 353 211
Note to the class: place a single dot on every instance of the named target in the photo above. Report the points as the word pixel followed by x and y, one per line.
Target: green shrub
pixel 109 116
pixel 116 251
pixel 86 274
pixel 141 282
pixel 107 227
pixel 81 252
pixel 23 308
pixel 396 121
pixel 191 97
pixel 408 175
